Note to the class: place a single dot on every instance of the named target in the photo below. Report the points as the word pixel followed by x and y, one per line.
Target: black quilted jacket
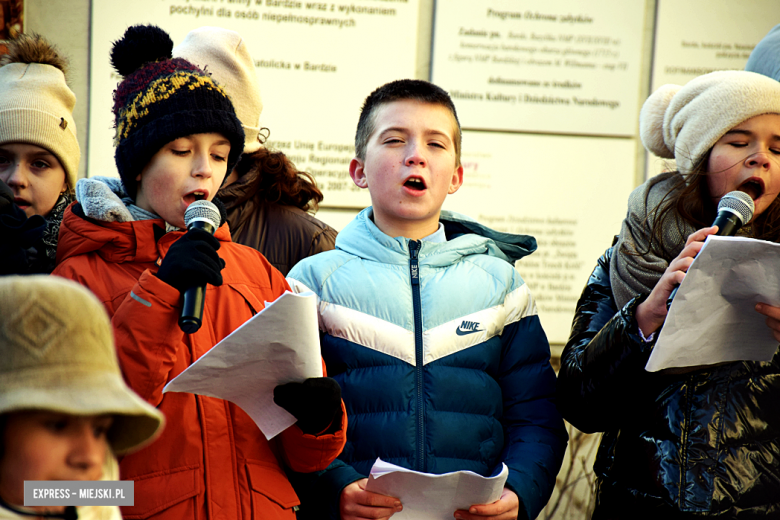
pixel 703 444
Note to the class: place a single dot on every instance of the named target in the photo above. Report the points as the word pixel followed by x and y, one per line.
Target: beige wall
pixel 66 24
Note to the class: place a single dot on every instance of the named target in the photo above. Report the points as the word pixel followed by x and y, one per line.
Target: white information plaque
pixel 558 66
pixel 569 193
pixel 317 62
pixel 695 37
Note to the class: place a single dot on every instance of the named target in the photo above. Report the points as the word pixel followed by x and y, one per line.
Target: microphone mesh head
pixel 202 210
pixel 740 203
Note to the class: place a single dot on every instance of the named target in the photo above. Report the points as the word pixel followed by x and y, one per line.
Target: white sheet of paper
pixel 434 497
pixel 712 318
pixel 278 345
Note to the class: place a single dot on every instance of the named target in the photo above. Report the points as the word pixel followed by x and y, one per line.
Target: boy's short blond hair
pixel 400 90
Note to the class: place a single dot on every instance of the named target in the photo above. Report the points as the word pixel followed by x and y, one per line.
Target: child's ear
pixel 357 173
pixel 457 180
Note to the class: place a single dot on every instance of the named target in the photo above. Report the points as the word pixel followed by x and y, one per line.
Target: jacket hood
pixel 465 236
pixel 101 199
pixel 514 247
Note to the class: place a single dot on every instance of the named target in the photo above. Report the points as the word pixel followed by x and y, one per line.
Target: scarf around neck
pixel 639 262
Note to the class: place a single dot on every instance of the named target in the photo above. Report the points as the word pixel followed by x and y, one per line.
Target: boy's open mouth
pixel 415 183
pixel 195 195
pixel 753 187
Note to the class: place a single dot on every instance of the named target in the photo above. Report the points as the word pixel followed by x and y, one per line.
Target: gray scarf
pixel 635 267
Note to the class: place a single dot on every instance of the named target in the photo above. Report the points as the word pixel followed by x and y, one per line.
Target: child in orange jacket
pixel 177 137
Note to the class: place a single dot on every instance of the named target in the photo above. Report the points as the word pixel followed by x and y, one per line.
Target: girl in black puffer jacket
pixel 703 442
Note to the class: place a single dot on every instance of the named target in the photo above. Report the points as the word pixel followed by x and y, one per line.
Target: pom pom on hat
pixel 651 121
pixel 162 100
pixel 698 114
pixel 140 44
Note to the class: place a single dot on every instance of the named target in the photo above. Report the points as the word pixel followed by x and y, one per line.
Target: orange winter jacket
pixel 212 461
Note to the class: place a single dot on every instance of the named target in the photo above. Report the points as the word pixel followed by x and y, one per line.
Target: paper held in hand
pixel 278 345
pixel 434 497
pixel 713 318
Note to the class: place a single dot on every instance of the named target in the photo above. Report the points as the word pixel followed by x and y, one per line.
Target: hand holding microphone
pixel 192 262
pixel 734 210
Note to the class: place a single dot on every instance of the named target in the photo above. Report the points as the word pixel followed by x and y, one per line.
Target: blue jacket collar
pixel 465 236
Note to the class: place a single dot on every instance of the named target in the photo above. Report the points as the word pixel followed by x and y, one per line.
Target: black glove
pixel 316 403
pixel 18 234
pixel 6 198
pixel 192 261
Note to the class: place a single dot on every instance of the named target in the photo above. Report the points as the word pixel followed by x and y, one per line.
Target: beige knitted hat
pixel 684 122
pixel 36 105
pixel 57 353
pixel 225 55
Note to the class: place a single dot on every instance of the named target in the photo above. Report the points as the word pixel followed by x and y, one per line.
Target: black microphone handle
pixel 193 298
pixel 192 309
pixel 728 224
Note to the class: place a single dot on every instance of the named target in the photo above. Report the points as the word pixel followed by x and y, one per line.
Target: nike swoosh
pixel 461 332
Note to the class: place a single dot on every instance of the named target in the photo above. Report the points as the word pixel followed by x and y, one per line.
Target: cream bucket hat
pixel 57 353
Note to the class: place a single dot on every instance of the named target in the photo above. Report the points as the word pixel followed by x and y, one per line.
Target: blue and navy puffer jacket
pixel 440 355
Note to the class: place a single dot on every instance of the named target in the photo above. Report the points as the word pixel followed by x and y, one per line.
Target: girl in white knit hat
pixel 65 410
pixel 39 154
pixel 268 200
pixel 700 442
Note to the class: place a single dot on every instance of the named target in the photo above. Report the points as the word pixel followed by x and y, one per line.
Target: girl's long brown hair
pixel 691 201
pixel 278 180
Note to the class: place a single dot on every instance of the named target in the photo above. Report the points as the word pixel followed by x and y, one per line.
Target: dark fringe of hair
pixel 278 181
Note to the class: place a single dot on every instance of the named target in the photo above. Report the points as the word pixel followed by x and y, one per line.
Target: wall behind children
pixel 548 94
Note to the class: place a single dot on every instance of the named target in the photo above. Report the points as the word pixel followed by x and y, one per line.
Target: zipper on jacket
pixel 414 273
pixel 684 440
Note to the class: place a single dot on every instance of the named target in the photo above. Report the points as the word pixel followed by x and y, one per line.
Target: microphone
pixel 204 215
pixel 734 210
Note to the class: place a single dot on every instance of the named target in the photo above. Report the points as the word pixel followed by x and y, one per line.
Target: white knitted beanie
pixel 683 123
pixel 57 353
pixel 36 105
pixel 224 54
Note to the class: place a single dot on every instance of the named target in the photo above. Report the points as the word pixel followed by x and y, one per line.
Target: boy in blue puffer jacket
pixel 428 328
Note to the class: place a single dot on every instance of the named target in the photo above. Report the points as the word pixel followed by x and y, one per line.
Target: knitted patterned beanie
pixel 224 54
pixel 162 99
